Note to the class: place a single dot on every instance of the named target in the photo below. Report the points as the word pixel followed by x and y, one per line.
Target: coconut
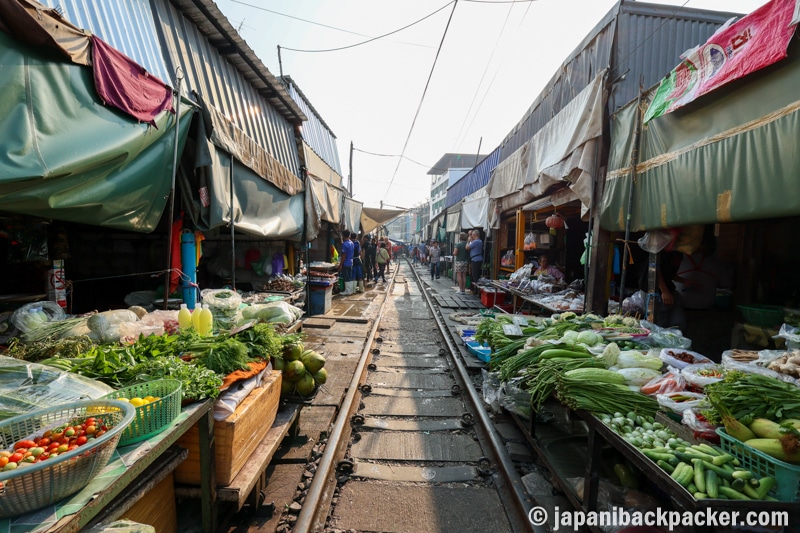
pixel 312 361
pixel 293 352
pixel 321 376
pixel 305 387
pixel 294 371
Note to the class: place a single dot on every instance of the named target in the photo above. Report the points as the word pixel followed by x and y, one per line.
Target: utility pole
pixel 478 154
pixel 350 178
pixel 381 204
pixel 280 63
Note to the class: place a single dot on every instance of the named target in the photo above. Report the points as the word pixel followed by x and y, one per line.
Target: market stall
pixel 623 413
pixel 172 373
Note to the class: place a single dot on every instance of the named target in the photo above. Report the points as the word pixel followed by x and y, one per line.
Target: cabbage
pixel 636 359
pixel 570 337
pixel 638 376
pixel 589 337
pixel 610 354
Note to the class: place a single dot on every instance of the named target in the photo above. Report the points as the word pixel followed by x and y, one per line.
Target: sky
pixel 429 79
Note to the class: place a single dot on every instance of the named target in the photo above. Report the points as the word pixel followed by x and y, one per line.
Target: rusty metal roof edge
pixel 227 33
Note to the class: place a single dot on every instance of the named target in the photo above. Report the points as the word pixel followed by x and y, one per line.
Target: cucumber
pixel 765 484
pixel 721 472
pixel 720 460
pixel 742 474
pixel 732 494
pixel 712 483
pixel 665 466
pixel 656 456
pixel 699 475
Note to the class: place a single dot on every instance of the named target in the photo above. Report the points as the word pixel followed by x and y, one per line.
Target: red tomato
pixel 91 430
pixel 44 456
pixel 80 441
pixel 62 448
pixel 3 461
pixel 72 447
pixel 15 458
pixel 44 442
pixel 90 421
pixel 24 444
pixel 57 436
pixel 100 433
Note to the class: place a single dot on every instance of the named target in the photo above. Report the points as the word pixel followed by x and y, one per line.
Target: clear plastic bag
pixel 680 401
pixel 514 399
pixel 791 335
pixel 664 337
pixel 758 366
pixel 123 526
pixel 680 358
pixel 26 387
pixel 634 304
pixel 224 305
pixel 655 241
pixel 693 374
pixel 30 316
pixel 672 381
pixel 701 428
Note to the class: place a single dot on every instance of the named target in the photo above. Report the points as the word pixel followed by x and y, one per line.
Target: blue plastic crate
pixel 481 352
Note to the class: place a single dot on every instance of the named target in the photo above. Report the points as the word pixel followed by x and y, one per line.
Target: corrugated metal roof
pixel 316 132
pixel 639 40
pixel 473 180
pixel 127 25
pixel 216 62
pixel 229 77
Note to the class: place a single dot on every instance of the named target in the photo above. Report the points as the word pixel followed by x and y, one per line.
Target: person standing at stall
pixel 346 264
pixel 435 254
pixel 358 269
pixel 382 259
pixel 461 262
pixel 368 247
pixel 475 247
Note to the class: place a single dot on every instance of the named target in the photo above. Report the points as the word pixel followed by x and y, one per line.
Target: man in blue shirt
pixel 475 247
pixel 346 264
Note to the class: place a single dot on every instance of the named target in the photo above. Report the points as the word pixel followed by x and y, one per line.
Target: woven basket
pixel 38 485
pixel 154 417
pixel 762 315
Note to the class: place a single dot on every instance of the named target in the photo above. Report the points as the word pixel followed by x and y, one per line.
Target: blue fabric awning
pixel 473 180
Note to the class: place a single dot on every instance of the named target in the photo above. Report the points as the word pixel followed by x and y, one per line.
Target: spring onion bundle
pixel 541 377
pixel 603 398
pixel 748 396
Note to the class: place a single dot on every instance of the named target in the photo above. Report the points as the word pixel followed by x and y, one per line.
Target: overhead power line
pixel 393 155
pixel 373 38
pixel 422 98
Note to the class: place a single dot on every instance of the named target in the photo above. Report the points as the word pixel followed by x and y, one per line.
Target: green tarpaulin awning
pixel 67 157
pixel 730 156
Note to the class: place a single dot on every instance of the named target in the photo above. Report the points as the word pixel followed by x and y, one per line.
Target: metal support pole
pixel 168 279
pixel 233 228
pixel 634 162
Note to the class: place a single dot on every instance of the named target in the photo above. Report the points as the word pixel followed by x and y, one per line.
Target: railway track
pixel 412 448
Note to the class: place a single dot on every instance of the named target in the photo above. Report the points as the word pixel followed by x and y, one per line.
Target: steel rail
pixel 521 500
pixel 308 514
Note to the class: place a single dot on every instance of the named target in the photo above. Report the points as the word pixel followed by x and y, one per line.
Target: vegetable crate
pixel 154 417
pixel 787 477
pixel 41 484
pixel 236 437
pixel 492 298
pixel 762 315
pixel 483 353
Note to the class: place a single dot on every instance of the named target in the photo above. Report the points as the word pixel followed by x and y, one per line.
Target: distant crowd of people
pixel 363 261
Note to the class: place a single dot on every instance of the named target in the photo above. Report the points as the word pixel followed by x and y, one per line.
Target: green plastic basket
pixel 152 418
pixel 762 315
pixel 41 484
pixel 787 476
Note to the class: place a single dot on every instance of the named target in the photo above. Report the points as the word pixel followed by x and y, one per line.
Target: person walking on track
pixel 382 259
pixel 475 247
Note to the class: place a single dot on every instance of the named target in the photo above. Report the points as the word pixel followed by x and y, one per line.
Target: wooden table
pixel 109 495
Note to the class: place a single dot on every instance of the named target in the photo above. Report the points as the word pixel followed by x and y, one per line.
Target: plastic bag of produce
pixel 791 335
pixel 33 315
pixel 26 387
pixel 701 428
pixel 672 381
pixel 224 305
pixel 680 358
pixel 105 325
pixel 636 359
pixel 664 337
pixel 638 376
pixel 701 375
pixel 123 526
pixel 678 402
